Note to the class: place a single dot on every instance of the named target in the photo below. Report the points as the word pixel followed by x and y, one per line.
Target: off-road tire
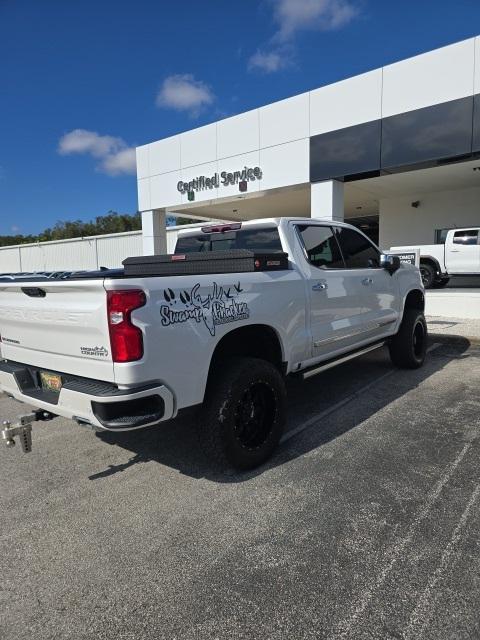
pixel 232 413
pixel 428 274
pixel 409 346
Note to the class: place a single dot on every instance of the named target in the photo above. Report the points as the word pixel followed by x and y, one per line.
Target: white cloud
pixel 268 61
pixel 183 93
pixel 123 161
pixel 292 16
pixel 115 157
pixel 83 141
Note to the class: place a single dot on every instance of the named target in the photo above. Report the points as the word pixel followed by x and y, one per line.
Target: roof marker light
pixel 222 228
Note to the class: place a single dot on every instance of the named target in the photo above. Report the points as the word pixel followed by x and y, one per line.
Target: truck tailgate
pixel 59 326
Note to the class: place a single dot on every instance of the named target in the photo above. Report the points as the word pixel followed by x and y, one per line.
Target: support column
pixel 154 232
pixel 327 200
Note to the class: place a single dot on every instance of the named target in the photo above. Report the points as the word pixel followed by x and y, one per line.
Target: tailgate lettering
pixel 36 315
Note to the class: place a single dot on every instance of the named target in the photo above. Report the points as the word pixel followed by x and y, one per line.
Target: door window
pixel 321 246
pixel 358 251
pixel 469 236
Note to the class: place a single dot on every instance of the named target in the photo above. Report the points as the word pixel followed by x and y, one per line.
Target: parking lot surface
pixel 366 523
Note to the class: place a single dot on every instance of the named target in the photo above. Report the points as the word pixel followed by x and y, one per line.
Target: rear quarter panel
pixel 186 316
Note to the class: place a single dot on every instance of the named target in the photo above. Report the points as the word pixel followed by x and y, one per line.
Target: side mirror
pixel 389 262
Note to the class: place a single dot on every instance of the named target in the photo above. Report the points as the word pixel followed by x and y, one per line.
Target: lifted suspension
pixel 23 428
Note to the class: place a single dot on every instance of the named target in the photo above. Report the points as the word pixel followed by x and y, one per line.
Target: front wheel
pixel 408 347
pixel 244 413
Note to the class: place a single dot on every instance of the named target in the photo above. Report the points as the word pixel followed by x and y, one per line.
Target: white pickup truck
pixel 459 255
pixel 216 327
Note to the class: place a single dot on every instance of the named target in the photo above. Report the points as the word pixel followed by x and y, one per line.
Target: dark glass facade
pixel 347 152
pixel 427 135
pixel 421 138
pixel 476 123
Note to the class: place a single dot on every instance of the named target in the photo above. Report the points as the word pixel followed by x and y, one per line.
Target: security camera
pixel 416 204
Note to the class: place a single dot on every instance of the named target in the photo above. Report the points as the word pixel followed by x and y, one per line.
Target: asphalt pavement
pixel 366 523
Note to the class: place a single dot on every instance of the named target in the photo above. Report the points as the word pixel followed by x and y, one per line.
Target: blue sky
pixel 82 82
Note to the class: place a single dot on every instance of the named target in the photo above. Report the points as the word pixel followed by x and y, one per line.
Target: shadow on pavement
pixel 175 443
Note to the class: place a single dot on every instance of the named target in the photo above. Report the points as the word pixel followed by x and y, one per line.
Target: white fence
pixel 92 252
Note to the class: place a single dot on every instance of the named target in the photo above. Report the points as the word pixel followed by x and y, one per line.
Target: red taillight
pixel 126 339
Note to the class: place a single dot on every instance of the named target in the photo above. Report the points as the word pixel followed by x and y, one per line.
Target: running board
pixel 308 373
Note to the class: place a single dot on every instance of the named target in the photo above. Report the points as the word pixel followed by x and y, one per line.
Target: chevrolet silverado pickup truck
pixel 459 255
pixel 215 328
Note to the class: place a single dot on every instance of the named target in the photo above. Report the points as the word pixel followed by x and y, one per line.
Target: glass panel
pixel 358 251
pixel 192 244
pixel 321 246
pixel 476 123
pixel 345 152
pixel 466 237
pixel 429 134
pixel 441 235
pixel 266 240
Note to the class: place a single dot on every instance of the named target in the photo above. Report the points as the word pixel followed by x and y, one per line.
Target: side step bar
pixel 308 373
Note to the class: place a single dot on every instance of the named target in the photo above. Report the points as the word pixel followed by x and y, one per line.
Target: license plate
pixel 50 381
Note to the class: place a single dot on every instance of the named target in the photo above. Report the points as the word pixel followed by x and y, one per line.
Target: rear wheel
pixel 244 413
pixel 409 347
pixel 428 274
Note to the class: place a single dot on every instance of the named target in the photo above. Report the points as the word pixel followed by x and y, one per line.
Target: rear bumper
pixel 99 404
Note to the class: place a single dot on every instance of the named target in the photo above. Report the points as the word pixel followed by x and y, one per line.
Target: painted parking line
pixel 425 608
pixel 338 405
pixel 346 627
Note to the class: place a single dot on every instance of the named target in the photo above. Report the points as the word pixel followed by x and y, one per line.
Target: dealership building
pixel 395 151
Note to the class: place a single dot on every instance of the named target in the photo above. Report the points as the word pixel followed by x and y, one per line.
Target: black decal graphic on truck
pixel 218 307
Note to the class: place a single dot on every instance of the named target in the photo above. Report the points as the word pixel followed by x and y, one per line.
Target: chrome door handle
pixel 320 286
pixel 367 281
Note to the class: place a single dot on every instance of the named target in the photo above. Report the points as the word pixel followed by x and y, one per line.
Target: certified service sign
pixel 224 179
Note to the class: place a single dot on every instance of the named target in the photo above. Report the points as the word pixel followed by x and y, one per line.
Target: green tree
pixel 112 222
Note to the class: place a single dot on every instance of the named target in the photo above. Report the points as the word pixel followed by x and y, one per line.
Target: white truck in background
pixel 216 327
pixel 459 255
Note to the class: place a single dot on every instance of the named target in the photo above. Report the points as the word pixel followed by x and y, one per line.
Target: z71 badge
pixel 219 307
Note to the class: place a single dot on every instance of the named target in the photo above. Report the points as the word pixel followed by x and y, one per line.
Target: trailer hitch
pixel 23 428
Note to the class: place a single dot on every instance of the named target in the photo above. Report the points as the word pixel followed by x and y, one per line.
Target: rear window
pixel 260 240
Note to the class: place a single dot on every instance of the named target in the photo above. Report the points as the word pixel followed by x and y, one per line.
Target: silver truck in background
pixel 459 255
